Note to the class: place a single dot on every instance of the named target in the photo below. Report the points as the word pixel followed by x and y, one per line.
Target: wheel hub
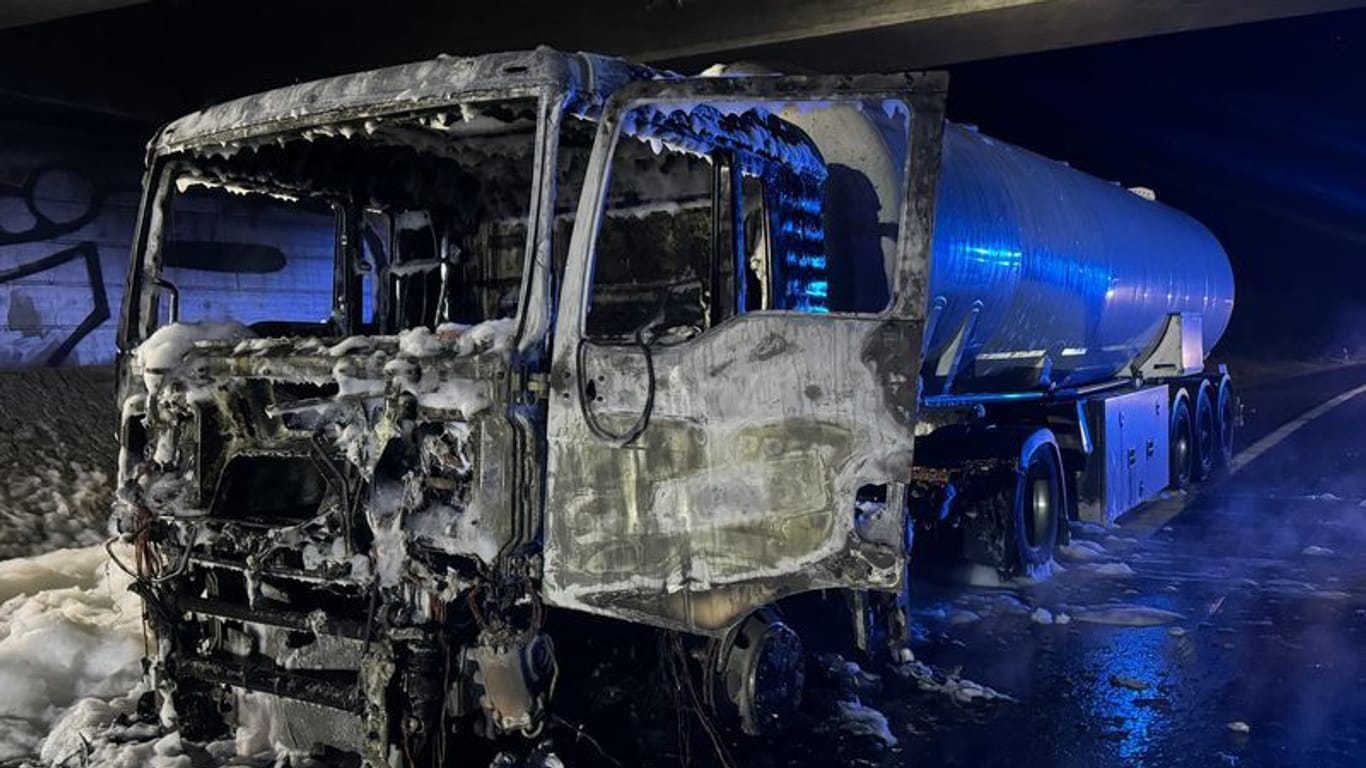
pixel 763 673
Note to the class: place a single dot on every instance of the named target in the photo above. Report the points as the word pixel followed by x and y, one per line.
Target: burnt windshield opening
pixel 370 227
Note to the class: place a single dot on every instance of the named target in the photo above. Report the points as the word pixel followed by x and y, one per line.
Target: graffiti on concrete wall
pixel 48 221
pixel 49 218
pixel 54 293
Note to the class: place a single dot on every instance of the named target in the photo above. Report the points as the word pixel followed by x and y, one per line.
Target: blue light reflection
pixel 996 257
pixel 1139 655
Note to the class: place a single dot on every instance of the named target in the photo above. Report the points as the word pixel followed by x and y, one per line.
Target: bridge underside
pixel 156 60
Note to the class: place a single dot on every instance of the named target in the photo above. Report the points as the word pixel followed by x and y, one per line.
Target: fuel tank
pixel 1042 275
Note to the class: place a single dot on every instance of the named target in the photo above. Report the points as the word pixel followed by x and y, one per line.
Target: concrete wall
pixel 67 210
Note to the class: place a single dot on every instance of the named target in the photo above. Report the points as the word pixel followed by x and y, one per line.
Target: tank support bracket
pixel 1179 352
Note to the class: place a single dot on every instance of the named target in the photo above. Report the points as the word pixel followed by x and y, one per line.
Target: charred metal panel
pixel 288 493
pixel 375 435
pixel 742 488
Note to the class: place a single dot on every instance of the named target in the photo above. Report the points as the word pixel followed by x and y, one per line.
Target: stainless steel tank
pixel 1043 272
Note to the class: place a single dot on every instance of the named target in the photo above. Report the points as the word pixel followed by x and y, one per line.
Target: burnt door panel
pixel 692 479
pixel 741 487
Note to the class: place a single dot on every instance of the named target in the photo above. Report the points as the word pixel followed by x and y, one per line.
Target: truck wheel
pixel 1039 501
pixel 761 672
pixel 1225 418
pixel 1206 437
pixel 1012 518
pixel 1182 441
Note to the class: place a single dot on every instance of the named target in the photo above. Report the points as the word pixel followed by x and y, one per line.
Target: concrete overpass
pixel 155 60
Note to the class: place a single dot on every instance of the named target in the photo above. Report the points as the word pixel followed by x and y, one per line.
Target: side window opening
pixel 714 210
pixel 375 235
pixel 655 245
pixel 856 267
pixel 796 238
pixel 755 256
pixel 415 278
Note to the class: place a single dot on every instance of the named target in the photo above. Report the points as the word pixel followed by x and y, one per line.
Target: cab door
pixel 734 376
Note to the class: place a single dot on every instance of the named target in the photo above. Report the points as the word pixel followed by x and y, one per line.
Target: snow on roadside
pixel 1124 615
pixel 48 499
pixel 1083 550
pixel 71 646
pixel 1109 569
pixel 57 458
pixel 69 630
pixel 951 684
pixel 848 711
pixel 858 719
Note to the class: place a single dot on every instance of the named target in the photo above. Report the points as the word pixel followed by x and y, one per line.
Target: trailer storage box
pixel 1128 463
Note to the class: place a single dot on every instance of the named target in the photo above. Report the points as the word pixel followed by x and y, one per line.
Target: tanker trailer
pixel 1068 325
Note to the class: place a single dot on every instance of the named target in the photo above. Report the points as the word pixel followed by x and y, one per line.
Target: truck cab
pixel 415 358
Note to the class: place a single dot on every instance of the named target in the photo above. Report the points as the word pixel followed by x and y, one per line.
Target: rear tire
pixel 1037 505
pixel 1206 435
pixel 1225 420
pixel 1182 441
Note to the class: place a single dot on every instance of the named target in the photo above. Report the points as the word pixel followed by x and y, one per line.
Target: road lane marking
pixel 1152 516
pixel 1252 452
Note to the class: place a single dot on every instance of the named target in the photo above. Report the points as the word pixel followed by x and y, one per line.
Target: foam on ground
pixel 69 630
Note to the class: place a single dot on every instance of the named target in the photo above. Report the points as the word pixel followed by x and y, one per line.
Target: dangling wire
pixel 581 735
pixel 601 432
pixel 683 680
pixel 669 662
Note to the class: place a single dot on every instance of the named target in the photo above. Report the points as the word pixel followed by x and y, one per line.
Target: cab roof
pixel 403 88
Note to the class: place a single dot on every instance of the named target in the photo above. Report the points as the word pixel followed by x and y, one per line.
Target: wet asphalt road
pixel 1266 572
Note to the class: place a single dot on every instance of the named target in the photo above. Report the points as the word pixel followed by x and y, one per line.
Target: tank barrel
pixel 1043 275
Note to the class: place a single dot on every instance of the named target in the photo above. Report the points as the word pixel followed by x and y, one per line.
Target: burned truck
pixel 418 362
